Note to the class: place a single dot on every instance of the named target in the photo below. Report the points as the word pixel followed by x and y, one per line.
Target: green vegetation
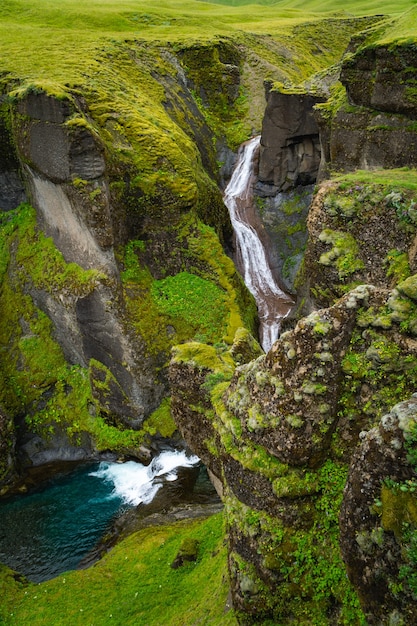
pixel 56 398
pixel 378 370
pixel 198 302
pixel 134 584
pixel 311 571
pixel 207 302
pixel 347 254
pixel 344 252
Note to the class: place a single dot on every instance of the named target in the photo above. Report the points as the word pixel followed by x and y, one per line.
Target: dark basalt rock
pixel 382 78
pixel 290 146
pixel 377 129
pixel 270 434
pixel 12 192
pixel 7 449
pixel 55 150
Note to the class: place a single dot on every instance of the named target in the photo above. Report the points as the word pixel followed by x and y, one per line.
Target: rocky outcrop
pixel 12 192
pixel 7 448
pixel 280 436
pixel 290 146
pixel 66 174
pixel 379 516
pixel 341 252
pixel 381 77
pixel 376 127
pixel 108 232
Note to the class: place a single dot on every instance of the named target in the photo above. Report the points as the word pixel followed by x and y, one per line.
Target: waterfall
pixel 273 304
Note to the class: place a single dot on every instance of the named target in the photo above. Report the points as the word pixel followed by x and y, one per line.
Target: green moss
pixel 305 564
pixel 296 483
pixel 207 302
pixel 212 358
pixel 198 302
pixel 398 510
pixel 344 254
pixel 161 421
pixel 338 100
pixel 397 265
pixel 408 287
pixel 32 363
pixel 381 366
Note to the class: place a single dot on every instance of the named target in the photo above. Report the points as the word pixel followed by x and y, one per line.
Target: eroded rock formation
pixel 280 436
pixel 325 424
pixel 290 146
pixel 376 129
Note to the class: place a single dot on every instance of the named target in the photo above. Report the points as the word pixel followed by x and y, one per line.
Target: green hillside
pixel 56 41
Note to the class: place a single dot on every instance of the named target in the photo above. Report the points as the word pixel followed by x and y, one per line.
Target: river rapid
pixel 53 528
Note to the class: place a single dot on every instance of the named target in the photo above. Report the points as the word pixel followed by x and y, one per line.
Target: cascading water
pixel 273 304
pixel 52 529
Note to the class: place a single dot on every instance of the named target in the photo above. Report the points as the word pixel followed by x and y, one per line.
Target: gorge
pixel 126 325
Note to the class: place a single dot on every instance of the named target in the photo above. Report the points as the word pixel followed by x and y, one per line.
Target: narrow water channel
pixel 251 259
pixel 50 530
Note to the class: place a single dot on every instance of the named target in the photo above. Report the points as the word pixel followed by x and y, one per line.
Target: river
pixel 53 528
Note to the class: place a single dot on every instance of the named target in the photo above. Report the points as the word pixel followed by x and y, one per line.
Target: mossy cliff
pixel 280 437
pixel 314 443
pixel 370 120
pixel 117 254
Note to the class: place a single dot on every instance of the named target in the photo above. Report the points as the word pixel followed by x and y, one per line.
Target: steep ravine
pixel 312 445
pixel 123 173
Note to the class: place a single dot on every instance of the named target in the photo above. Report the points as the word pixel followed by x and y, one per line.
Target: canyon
pixel 126 322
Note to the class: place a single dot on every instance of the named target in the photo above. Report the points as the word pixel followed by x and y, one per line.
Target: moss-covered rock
pixel 378 518
pixel 281 435
pixel 347 218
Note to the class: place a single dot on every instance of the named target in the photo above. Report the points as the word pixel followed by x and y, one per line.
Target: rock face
pixel 289 161
pixel 376 129
pixel 290 146
pixel 12 192
pixel 112 218
pixel 280 436
pixel 7 448
pixel 315 442
pixel 378 518
pixel 57 153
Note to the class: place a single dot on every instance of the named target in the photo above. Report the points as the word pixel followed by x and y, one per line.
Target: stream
pixel 52 529
pixel 251 259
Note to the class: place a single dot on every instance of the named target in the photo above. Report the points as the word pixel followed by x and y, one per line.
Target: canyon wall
pixel 314 442
pixel 118 258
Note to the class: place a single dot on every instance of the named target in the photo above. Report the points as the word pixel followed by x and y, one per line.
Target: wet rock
pixel 7 449
pixel 290 147
pixel 57 151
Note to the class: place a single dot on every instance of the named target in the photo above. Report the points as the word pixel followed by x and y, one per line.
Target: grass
pixel 43 40
pixel 133 584
pixel 403 177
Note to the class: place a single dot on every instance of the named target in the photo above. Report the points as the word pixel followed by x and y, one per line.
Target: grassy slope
pixel 133 584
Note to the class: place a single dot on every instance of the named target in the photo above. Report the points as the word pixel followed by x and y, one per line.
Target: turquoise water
pixel 51 530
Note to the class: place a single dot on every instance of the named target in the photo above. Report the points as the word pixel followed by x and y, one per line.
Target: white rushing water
pixel 273 304
pixel 135 483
